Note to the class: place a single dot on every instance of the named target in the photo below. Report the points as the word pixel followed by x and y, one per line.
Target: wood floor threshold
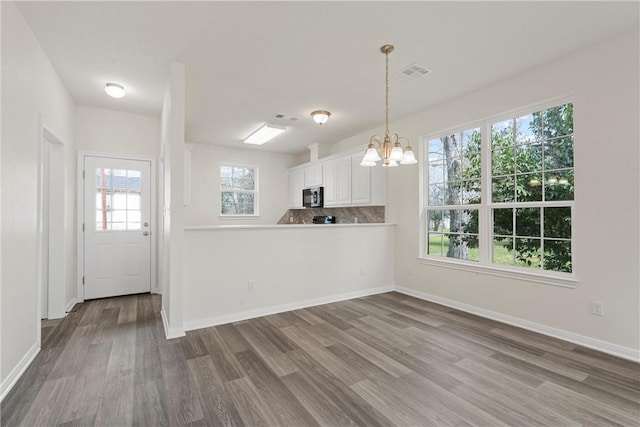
pixel 383 360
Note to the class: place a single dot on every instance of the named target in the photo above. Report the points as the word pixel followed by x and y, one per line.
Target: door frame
pixel 80 216
pixel 49 213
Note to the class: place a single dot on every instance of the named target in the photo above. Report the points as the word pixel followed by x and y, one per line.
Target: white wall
pixel 312 265
pixel 206 159
pixel 32 96
pixel 113 132
pixel 172 186
pixel 604 83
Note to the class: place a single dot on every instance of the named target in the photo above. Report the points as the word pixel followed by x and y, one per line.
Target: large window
pixel 238 190
pixel 515 213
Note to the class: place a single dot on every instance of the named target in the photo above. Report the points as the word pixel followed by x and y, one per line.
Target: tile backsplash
pixel 349 215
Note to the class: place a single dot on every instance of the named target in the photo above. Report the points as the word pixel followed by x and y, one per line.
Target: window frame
pixel 255 192
pixel 485 263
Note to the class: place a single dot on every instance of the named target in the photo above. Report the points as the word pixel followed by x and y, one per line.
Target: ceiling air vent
pixel 285 117
pixel 412 72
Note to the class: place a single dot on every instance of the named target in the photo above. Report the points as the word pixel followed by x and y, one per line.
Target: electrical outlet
pixel 251 286
pixel 362 271
pixel 597 308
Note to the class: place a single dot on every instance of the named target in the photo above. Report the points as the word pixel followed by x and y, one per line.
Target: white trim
pixel 70 305
pixel 593 343
pixel 154 287
pixel 274 309
pixel 170 333
pixel 511 272
pixel 18 371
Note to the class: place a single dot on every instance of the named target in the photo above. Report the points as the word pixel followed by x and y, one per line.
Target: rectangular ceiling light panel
pixel 264 134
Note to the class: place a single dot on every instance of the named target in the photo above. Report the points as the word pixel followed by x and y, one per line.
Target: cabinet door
pixel 360 182
pixel 313 176
pixel 296 184
pixel 343 181
pixel 329 171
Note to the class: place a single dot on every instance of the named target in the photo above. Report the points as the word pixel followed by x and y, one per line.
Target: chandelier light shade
pixel 388 148
pixel 320 116
pixel 114 90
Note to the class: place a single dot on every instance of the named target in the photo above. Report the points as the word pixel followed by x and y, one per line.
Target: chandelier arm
pixel 376 139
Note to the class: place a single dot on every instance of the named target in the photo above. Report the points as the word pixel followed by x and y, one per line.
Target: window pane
pixel 529 158
pixel 529 188
pixel 103 220
pixel 527 129
pixel 435 244
pixel 557 223
pixel 436 172
pixel 558 153
pixel 502 134
pixel 455 246
pixel 528 222
pixel 119 201
pixel 503 161
pixel 471 193
pixel 435 220
pixel 436 195
pixel 557 255
pixel 471 166
pixel 503 189
pixel 528 253
pixel 559 185
pixel 503 251
pixel 503 222
pixel 133 201
pixel 103 200
pixel 435 149
pixel 471 240
pixel 119 177
pixel 103 178
pixel 226 171
pixel 558 121
pixel 134 180
pixel 453 193
pixel 470 221
pixel 471 140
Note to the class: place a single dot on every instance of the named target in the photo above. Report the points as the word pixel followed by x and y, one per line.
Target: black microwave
pixel 312 197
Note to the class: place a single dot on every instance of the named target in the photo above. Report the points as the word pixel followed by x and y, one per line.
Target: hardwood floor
pixel 382 360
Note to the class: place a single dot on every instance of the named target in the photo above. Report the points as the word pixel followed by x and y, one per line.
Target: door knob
pixel 146 233
pixel 146 224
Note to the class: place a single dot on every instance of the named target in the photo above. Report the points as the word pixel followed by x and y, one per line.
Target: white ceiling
pixel 247 61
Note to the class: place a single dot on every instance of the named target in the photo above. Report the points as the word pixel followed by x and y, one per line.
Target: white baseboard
pixel 170 333
pixel 603 346
pixel 274 309
pixel 70 306
pixel 17 372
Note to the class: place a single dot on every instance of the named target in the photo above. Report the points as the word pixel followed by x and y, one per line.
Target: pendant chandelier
pixel 389 148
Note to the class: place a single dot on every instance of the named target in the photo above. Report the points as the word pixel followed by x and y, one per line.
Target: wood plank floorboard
pixel 381 360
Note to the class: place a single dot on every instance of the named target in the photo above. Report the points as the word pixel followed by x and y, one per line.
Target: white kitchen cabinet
pixel 337 182
pixel 360 181
pixel 343 181
pixel 329 172
pixel 313 176
pixel 296 184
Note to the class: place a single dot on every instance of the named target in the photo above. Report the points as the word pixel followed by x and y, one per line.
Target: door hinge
pixel 83 280
pixel 82 174
pixel 83 228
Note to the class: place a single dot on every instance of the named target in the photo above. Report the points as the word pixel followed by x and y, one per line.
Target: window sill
pixel 239 216
pixel 546 279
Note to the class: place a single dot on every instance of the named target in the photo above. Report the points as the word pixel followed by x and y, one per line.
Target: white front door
pixel 117 227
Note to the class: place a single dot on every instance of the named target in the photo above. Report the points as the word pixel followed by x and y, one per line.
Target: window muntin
pixel 528 189
pixel 118 199
pixel 238 190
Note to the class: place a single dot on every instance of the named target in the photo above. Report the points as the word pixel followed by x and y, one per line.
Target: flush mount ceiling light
pixel 389 147
pixel 114 90
pixel 320 116
pixel 265 133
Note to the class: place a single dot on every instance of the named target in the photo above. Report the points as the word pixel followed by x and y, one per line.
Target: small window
pixel 238 191
pixel 118 199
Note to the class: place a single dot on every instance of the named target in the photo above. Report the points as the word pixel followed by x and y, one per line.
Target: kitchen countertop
pixel 254 227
